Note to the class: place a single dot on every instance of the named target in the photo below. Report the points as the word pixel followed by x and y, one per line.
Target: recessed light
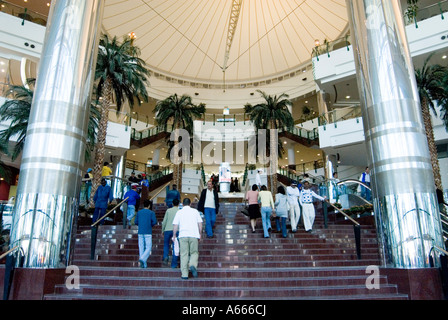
pixel 347 97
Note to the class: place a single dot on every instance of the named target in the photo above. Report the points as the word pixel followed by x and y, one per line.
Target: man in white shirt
pixel 306 200
pixel 293 194
pixel 188 222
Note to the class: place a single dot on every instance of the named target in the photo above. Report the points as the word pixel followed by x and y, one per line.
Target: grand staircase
pixel 235 264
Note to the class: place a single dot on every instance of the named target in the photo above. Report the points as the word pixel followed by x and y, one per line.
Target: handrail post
pixel 325 207
pixel 357 230
pixel 93 238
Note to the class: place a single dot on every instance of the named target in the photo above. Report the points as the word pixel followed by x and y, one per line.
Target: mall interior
pixel 347 68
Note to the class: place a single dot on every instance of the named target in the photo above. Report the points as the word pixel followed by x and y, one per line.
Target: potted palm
pixel 411 12
pixel 272 113
pixel 121 77
pixel 429 84
pixel 179 112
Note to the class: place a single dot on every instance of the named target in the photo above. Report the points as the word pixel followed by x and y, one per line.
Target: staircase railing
pixel 310 135
pixel 356 229
pixel 444 220
pixel 356 224
pixel 300 170
pixel 94 229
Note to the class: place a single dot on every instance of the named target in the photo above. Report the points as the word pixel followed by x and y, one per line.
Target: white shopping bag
pixel 176 247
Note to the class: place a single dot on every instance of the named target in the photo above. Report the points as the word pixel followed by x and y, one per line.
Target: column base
pixel 418 284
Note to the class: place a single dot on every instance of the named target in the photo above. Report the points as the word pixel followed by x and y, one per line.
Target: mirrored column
pixel 407 215
pixel 53 156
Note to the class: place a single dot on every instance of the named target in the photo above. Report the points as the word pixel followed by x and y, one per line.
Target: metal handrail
pixel 103 217
pixel 354 181
pixel 161 189
pixel 346 215
pixel 9 252
pixel 439 249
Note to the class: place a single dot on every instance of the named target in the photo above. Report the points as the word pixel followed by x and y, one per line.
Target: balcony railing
pixel 23 13
pixel 437 9
pixel 340 114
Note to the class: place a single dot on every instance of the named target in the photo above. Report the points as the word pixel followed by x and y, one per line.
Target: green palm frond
pixel 179 112
pixel 429 83
pixel 128 74
pixel 273 113
pixel 17 110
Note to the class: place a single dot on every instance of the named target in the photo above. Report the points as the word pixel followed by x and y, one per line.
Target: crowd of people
pixel 182 224
pixel 289 203
pixel 234 183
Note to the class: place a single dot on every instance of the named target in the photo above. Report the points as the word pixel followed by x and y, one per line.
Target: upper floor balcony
pixel 334 62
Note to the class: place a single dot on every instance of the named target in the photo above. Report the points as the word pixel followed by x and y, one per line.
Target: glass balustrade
pixel 340 114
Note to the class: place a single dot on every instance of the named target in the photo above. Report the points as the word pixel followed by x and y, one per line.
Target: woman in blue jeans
pixel 267 207
pixel 281 210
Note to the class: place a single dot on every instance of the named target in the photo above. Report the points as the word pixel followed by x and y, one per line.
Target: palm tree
pixel 122 77
pixel 443 103
pixel 273 113
pixel 17 109
pixel 429 82
pixel 4 170
pixel 180 113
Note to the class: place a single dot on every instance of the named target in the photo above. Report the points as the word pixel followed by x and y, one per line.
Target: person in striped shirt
pixel 306 201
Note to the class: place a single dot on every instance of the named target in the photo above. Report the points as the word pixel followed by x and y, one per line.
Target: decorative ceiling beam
pixel 233 22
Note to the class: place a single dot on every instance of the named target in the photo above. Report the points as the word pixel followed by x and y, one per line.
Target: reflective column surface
pixel 50 174
pixel 405 202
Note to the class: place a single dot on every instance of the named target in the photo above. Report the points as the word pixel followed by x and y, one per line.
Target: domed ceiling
pixel 251 40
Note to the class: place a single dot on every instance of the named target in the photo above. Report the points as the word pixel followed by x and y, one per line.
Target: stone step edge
pixel 80 296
